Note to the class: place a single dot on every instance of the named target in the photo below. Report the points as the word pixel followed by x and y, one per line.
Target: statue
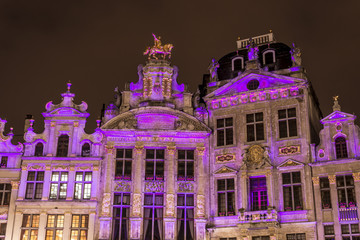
pixel 213 67
pixel 117 97
pixel 336 106
pixel 158 49
pixel 253 50
pixel 295 55
pixel 196 99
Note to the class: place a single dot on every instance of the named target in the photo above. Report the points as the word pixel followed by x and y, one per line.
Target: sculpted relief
pixel 256 157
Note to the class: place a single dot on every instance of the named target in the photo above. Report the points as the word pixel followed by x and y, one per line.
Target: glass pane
pixel 296 177
pixel 88 176
pixel 160 154
pixel 259 131
pixel 229 136
pixel 128 153
pixel 220 123
pixel 249 118
pixel 84 221
pixel 64 176
pixel 259 116
pixel 79 176
pixel 220 138
pixel 150 153
pixel 190 154
pixel 282 114
pixel 75 221
pixel 221 184
pixel 230 184
pixel 60 221
pixel 292 112
pixel 181 154
pixel 31 176
pixel 282 129
pixel 51 221
pixel 35 221
pixel 228 122
pixel 189 200
pixel 181 200
pixel 250 130
pixel 119 153
pixel 40 176
pixel 286 178
pixel 126 199
pixel 26 220
pixel 55 176
pixel 292 128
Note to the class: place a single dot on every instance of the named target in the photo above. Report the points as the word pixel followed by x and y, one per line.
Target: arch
pixel 86 150
pixel 237 63
pixel 63 146
pixel 340 147
pixel 39 149
pixel 269 57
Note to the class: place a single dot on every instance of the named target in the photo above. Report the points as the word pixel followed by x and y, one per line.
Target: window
pixel 4 161
pixel 34 185
pixel 233 238
pixel 287 123
pixel 296 236
pixel 269 57
pixel 79 227
pixel 185 165
pixel 261 238
pixel 346 191
pixel 2 231
pixel 224 131
pixel 63 144
pixel 185 217
pixel 39 149
pixel 5 193
pixel 121 214
pixel 154 169
pixel 350 231
pixel 254 127
pixel 226 197
pixel 123 164
pixel 54 227
pixel 83 185
pixel 237 64
pixel 340 147
pixel 85 150
pixel 30 226
pixel 258 193
pixel 153 216
pixel 253 84
pixel 292 191
pixel 329 232
pixel 325 193
pixel 58 186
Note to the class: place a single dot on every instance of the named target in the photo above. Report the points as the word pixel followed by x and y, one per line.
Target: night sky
pixel 99 45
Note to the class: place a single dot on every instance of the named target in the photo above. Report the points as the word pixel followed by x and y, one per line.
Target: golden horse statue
pixel 158 49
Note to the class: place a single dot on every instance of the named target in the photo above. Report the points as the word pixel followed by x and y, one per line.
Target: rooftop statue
pixel 213 67
pixel 253 50
pixel 295 55
pixel 158 50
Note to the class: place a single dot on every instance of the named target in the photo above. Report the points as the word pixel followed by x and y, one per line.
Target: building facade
pixel 249 156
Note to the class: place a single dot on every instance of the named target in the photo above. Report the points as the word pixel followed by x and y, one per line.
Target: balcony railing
pixel 258 216
pixel 348 213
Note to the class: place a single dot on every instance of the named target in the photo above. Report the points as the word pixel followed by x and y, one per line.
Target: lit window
pixel 121 215
pixel 224 131
pixel 79 227
pixel 346 191
pixel 254 127
pixel 325 193
pixel 292 191
pixel 226 197
pixel 58 186
pixel 4 162
pixel 185 165
pixel 153 216
pixel 287 123
pixel 34 185
pixel 340 147
pixel 39 149
pixel 154 169
pixel 296 236
pixel 261 238
pixel 63 144
pixel 30 226
pixel 85 150
pixel 185 216
pixel 83 181
pixel 232 238
pixel 258 193
pixel 123 164
pixel 54 227
pixel 5 193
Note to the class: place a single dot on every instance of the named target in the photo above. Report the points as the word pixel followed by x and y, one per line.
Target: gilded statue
pixel 158 50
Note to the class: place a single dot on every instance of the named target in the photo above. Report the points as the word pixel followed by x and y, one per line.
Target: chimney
pixel 27 121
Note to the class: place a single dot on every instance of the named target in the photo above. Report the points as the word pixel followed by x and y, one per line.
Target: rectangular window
pixel 123 164
pixel 232 238
pixel 224 131
pixel 153 216
pixel 121 214
pixel 261 238
pixel 226 197
pixel 4 161
pixel 58 185
pixel 346 191
pixel 2 231
pixel 154 169
pixel 255 127
pixel 258 193
pixel 329 232
pixel 350 231
pixel 30 226
pixel 325 193
pixel 34 185
pixel 54 227
pixel 5 193
pixel 83 182
pixel 185 216
pixel 292 191
pixel 296 236
pixel 287 123
pixel 185 165
pixel 79 227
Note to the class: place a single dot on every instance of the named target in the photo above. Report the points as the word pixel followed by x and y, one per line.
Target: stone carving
pixel 316 180
pixel 295 56
pixel 154 186
pixel 105 209
pixel 15 185
pixel 200 151
pixel 136 205
pixel 171 149
pixel 60 168
pixel 289 163
pixel 128 124
pixel 36 167
pixel 225 158
pixel 213 67
pixel 135 229
pixel 332 179
pixel 139 147
pixel 253 50
pixel 183 125
pixel 158 49
pixel 185 187
pixel 83 168
pixel 287 150
pixel 356 176
pixel 336 106
pixel 4 215
pixel 225 169
pixel 200 206
pixel 256 157
pixel 170 205
pixel 122 186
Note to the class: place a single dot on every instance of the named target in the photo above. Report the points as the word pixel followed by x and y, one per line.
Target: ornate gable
pixel 338 116
pixel 225 169
pixel 290 163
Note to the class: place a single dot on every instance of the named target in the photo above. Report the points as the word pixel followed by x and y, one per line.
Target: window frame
pixel 60 149
pixel 273 56
pixel 37 151
pixel 251 203
pixel 5 193
pixel 185 210
pixel 233 63
pixel 3 226
pixel 350 234
pixel 124 160
pixel 187 164
pixel 60 182
pixel 226 192
pixel 82 149
pixel 224 128
pixel 291 186
pixel 80 227
pixel 345 187
pixel 325 193
pixel 286 120
pixel 298 236
pixel 341 149
pixel 122 206
pixel 35 184
pixel 83 183
pixel 254 123
pixel 4 161
pixel 153 207
pixel 56 226
pixel 156 165
pixel 31 226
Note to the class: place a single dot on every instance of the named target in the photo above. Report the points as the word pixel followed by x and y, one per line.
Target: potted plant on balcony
pixel 230 214
pixel 352 204
pixel 298 208
pixel 221 214
pixel 190 178
pixel 181 178
pixel 126 177
pixel 149 178
pixel 288 208
pixel 159 177
pixel 326 206
pixel 342 205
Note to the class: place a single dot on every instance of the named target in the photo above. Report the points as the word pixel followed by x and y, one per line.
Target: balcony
pixel 270 215
pixel 348 212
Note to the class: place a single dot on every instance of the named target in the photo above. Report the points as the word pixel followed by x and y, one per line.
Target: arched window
pixel 62 148
pixel 340 147
pixel 39 149
pixel 85 150
pixel 269 57
pixel 237 64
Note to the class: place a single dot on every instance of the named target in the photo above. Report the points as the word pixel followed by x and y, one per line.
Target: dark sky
pixel 98 46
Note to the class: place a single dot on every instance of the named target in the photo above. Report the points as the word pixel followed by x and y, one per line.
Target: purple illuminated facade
pixel 248 157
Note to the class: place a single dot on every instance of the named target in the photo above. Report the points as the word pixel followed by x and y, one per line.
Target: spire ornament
pixel 295 55
pixel 336 106
pixel 158 50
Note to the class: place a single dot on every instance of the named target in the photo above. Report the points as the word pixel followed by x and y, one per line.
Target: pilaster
pixel 356 177
pixel 42 225
pixel 11 211
pixel 17 227
pixel 75 139
pixel 95 182
pixel 318 207
pixel 91 232
pixel 270 188
pixel 67 225
pixel 47 180
pixel 22 187
pixel 71 184
pixel 335 205
pixel 200 225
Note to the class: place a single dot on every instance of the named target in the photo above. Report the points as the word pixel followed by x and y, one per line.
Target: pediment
pixel 225 169
pixel 290 163
pixel 65 112
pixel 266 81
pixel 338 115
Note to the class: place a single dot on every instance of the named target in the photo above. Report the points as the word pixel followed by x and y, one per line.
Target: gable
pixel 290 163
pixel 225 169
pixel 337 116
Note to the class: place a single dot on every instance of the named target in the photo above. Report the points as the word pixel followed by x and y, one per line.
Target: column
pixel 74 139
pixel 170 193
pixel 22 187
pixel 335 206
pixel 356 177
pixel 51 150
pixel 71 184
pixel 270 188
pixel 46 187
pixel 200 197
pixel 95 183
pixel 67 225
pixel 42 225
pixel 17 227
pixel 318 207
pixel 11 211
pixel 200 226
pixel 243 190
pixel 91 226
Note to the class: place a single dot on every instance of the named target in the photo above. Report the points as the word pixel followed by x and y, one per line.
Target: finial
pixel 68 86
pixel 239 38
pixel 31 123
pixel 336 106
pixel 98 121
pixel 11 131
pixel 270 31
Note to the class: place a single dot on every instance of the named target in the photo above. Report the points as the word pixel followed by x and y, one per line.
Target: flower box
pixel 149 178
pixel 221 214
pixel 159 177
pixel 230 214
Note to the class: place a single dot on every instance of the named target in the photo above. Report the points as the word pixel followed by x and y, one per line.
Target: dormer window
pixel 269 57
pixel 4 162
pixel 63 144
pixel 39 149
pixel 340 148
pixel 85 150
pixel 237 63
